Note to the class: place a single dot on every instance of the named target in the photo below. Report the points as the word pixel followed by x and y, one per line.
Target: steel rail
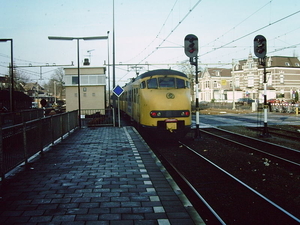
pixel 252 148
pixel 244 184
pixel 197 193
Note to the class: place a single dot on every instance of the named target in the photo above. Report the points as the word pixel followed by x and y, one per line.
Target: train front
pixel 166 104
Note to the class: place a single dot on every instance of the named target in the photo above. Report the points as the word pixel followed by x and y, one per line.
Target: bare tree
pixel 57 81
pixel 189 70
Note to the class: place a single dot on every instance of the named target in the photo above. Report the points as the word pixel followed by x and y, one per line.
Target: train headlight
pixel 185 113
pixel 155 114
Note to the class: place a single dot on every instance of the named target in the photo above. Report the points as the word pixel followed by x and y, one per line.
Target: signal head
pixel 260 46
pixel 191 45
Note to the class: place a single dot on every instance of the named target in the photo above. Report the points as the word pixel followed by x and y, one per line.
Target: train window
pixel 180 83
pixel 187 84
pixel 143 85
pixel 168 82
pixel 152 83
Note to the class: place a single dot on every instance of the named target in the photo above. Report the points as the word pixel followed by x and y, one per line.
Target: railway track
pixel 287 134
pixel 218 195
pixel 288 156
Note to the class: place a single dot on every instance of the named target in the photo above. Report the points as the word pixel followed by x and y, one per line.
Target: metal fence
pixel 12 118
pixel 284 108
pixel 223 105
pixel 20 142
pixel 97 117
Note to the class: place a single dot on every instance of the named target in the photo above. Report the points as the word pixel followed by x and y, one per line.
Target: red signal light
pixel 153 114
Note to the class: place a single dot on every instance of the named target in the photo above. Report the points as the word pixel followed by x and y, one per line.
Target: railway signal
pixel 191 51
pixel 191 45
pixel 260 50
pixel 260 46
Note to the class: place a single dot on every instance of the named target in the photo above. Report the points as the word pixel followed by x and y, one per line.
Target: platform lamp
pixel 78 62
pixel 12 105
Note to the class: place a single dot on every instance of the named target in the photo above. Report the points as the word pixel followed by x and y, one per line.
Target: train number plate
pixel 171 126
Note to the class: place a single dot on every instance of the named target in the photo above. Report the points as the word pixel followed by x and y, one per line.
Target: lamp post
pixel 108 69
pixel 12 105
pixel 78 62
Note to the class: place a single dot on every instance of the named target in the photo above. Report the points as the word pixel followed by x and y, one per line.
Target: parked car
pixel 243 101
pixel 273 100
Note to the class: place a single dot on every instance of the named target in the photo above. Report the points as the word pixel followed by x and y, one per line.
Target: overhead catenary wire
pixel 171 32
pixel 252 32
pixel 233 28
pixel 156 37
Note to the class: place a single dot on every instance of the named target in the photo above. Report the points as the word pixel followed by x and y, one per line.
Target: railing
pixel 97 117
pixel 284 108
pixel 9 119
pixel 20 142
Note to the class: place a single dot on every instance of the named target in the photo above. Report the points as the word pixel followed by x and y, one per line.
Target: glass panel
pixel 180 83
pixel 75 80
pixel 84 79
pixel 93 80
pixel 152 83
pixel 187 84
pixel 168 82
pixel 143 85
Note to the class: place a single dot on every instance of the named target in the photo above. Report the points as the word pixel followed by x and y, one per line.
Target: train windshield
pixel 166 82
pixel 180 83
pixel 152 83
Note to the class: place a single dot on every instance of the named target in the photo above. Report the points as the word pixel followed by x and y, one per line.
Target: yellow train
pixel 160 100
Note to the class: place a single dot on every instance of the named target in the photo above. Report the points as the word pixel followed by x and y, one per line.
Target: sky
pixel 146 32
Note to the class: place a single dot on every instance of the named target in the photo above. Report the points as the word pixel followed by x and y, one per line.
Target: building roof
pixel 31 86
pixel 219 72
pixel 4 79
pixel 273 61
pixel 283 61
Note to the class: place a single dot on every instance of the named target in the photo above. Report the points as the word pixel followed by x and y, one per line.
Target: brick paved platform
pixel 104 175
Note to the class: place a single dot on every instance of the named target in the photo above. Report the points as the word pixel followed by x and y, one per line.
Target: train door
pixel 129 103
pixel 135 106
pixel 138 105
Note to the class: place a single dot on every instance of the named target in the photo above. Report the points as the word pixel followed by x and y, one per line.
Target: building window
pixel 250 80
pixel 84 94
pixel 261 78
pixel 297 64
pixel 237 82
pixel 215 84
pixel 84 79
pixel 75 80
pixel 281 77
pixel 207 84
pixel 270 79
pixel 94 94
pixel 287 63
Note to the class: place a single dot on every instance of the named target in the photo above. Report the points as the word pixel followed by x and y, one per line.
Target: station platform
pixel 103 175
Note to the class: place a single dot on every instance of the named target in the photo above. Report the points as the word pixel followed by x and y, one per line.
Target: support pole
pixel 265 130
pixel 78 71
pixel 12 98
pixel 197 136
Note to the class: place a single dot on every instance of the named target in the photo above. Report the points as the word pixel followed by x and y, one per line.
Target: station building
pixel 92 88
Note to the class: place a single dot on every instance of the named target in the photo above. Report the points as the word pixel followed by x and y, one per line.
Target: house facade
pixel 92 88
pixel 245 80
pixel 213 83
